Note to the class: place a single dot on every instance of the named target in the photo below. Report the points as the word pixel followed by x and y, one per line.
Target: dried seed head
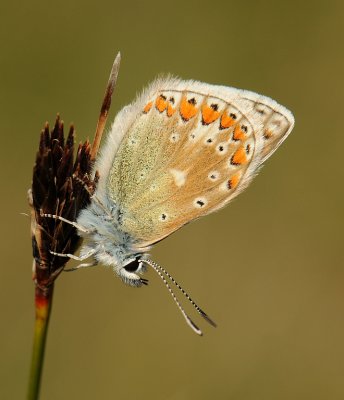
pixel 60 186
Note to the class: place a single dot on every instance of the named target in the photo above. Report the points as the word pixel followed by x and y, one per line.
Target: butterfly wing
pixel 184 149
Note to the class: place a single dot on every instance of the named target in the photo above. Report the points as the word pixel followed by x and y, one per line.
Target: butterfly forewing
pixel 276 120
pixel 189 150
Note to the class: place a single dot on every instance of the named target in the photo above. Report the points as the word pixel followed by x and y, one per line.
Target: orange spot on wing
pixel 209 114
pixel 233 182
pixel 187 109
pixel 148 106
pixel 268 133
pixel 239 157
pixel 226 121
pixel 170 110
pixel 161 103
pixel 238 134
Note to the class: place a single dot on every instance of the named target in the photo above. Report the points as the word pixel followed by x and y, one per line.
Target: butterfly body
pixel 181 150
pixel 106 242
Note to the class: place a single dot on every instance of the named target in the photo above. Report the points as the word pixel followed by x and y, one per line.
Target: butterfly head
pixel 131 270
pixel 99 225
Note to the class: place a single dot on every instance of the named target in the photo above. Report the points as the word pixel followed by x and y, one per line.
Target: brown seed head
pixel 60 186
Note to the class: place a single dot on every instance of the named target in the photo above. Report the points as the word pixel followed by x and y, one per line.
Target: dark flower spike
pixel 61 186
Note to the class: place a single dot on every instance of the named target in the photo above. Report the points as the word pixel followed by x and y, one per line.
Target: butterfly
pixel 181 150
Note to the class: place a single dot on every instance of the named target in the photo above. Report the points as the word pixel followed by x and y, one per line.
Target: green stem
pixel 43 301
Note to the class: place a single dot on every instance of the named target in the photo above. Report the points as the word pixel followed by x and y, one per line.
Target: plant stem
pixel 43 302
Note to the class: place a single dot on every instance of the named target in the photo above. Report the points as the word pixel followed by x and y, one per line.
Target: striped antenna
pixel 160 272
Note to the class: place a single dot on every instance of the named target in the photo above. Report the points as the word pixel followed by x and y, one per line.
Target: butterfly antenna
pixel 198 309
pixel 188 320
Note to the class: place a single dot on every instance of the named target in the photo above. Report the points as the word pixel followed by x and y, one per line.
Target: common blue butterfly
pixel 181 150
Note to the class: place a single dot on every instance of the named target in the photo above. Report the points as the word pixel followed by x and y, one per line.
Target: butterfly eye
pixel 130 273
pixel 133 266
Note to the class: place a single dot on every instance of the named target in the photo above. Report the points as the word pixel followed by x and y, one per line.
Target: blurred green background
pixel 268 268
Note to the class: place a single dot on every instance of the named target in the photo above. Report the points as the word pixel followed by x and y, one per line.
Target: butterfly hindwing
pixel 185 149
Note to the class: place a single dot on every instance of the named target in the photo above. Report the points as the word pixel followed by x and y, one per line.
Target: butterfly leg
pixel 67 221
pixel 85 265
pixel 73 257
